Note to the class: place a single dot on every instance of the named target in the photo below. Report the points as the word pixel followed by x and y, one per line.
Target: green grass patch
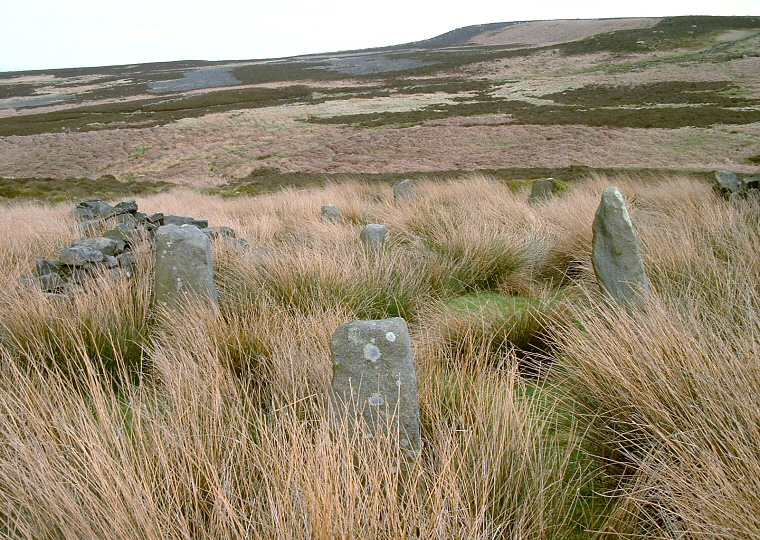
pixel 68 189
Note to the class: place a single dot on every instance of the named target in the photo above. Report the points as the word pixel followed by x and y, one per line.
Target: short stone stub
pixel 615 256
pixel 541 190
pixel 404 190
pixel 183 265
pixel 374 375
pixel 373 236
pixel 331 214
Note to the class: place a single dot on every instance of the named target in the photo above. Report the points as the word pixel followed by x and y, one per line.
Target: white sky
pixel 44 34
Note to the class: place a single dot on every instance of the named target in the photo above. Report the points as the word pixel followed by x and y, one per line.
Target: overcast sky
pixel 43 34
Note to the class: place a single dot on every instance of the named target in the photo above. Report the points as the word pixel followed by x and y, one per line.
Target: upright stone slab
pixel 373 236
pixel 541 190
pixel 183 265
pixel 727 183
pixel 616 257
pixel 374 374
pixel 331 214
pixel 404 190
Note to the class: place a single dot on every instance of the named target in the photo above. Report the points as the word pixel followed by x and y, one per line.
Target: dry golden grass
pixel 120 422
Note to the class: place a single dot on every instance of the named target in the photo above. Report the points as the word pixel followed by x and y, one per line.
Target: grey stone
pixel 127 206
pixel 98 207
pixel 727 183
pixel 124 218
pixel 83 214
pixel 104 244
pixel 124 232
pixel 183 265
pixel 541 190
pixel 331 213
pixel 90 226
pixel 373 236
pixel 751 182
pixel 156 219
pixel 615 255
pixel 127 262
pixel 51 282
pixel 374 376
pixel 111 262
pixel 45 267
pixel 140 217
pixel 80 255
pixel 219 232
pixel 404 190
pixel 182 220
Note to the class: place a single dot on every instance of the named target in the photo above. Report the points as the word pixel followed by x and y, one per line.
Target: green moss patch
pixel 55 190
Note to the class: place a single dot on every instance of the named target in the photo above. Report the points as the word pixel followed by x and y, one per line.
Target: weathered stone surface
pixel 124 232
pixel 373 236
pixel 80 255
pixel 374 376
pixel 727 183
pixel 157 218
pixel 45 267
pixel 541 190
pixel 183 265
pixel 219 232
pixel 111 262
pixel 750 183
pixel 127 206
pixel 104 244
pixel 182 220
pixel 51 282
pixel 404 190
pixel 616 257
pixel 98 207
pixel 127 262
pixel 331 213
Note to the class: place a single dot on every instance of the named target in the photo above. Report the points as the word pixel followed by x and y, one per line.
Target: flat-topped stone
pixel 183 265
pixel 373 236
pixel 331 213
pixel 374 376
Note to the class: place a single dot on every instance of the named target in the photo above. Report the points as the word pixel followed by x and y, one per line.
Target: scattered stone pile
pixel 112 250
pixel 732 187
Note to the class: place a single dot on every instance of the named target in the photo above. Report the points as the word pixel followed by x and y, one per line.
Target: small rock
pixel 80 255
pixel 45 267
pixel 541 190
pixel 127 206
pixel 111 262
pixel 182 220
pixel 404 190
pixel 157 218
pixel 727 183
pixel 331 213
pixel 98 207
pixel 219 232
pixel 104 244
pixel 51 282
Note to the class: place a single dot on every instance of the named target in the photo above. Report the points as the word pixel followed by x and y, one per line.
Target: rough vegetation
pixel 546 411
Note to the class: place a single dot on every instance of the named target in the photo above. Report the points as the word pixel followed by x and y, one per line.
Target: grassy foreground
pixel 546 413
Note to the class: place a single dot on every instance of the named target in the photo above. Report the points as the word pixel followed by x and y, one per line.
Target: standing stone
pixel 331 214
pixel 373 236
pixel 374 375
pixel 616 257
pixel 404 190
pixel 541 190
pixel 183 265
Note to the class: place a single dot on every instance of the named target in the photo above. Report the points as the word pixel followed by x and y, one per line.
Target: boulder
pixel 374 377
pixel 126 206
pixel 331 214
pixel 219 232
pixel 615 252
pixel 373 236
pixel 97 207
pixel 183 265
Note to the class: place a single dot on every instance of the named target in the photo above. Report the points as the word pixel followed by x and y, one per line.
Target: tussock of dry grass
pixel 642 425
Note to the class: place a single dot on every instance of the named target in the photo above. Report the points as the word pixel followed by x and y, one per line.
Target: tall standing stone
pixel 404 190
pixel 541 190
pixel 374 374
pixel 616 257
pixel 373 236
pixel 183 265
